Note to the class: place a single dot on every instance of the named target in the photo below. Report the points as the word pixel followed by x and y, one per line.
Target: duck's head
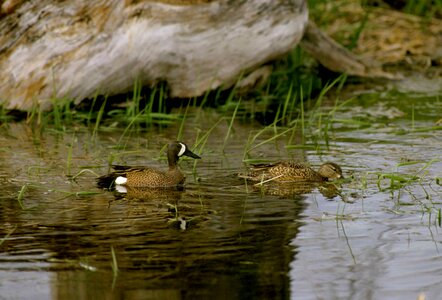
pixel 178 149
pixel 330 171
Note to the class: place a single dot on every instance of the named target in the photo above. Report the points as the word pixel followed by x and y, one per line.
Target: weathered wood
pixel 337 58
pixel 75 49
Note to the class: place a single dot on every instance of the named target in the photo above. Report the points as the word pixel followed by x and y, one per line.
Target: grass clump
pixel 398 181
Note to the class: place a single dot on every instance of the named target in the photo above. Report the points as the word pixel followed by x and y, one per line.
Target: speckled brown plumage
pixel 150 177
pixel 290 171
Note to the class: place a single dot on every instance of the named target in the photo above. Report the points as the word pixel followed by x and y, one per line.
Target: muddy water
pixel 368 238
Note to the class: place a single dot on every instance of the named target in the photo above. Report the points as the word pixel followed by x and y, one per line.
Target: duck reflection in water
pixel 168 204
pixel 290 189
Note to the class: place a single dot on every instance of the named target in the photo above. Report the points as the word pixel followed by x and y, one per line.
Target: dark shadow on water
pixel 232 246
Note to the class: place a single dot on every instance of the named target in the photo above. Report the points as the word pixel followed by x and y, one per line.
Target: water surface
pixel 370 237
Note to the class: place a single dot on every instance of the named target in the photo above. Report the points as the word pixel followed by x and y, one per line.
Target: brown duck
pixel 150 177
pixel 290 171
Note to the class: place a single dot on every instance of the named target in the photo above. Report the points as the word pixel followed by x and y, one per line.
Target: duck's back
pixel 282 171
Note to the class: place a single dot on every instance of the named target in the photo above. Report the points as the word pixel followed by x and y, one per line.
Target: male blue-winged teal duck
pixel 290 171
pixel 150 177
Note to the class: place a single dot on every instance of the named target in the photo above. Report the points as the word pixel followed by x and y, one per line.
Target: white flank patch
pixel 120 180
pixel 183 149
pixel 121 189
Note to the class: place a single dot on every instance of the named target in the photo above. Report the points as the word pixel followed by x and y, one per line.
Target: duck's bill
pixel 191 154
pixel 336 177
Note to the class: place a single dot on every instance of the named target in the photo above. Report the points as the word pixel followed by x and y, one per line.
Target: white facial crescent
pixel 183 149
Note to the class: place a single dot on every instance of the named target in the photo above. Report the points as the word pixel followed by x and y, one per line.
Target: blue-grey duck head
pixel 176 150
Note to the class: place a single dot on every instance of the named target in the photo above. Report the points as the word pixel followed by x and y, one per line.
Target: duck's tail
pixel 106 181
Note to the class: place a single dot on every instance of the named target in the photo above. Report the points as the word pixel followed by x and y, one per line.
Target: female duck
pixel 149 177
pixel 290 171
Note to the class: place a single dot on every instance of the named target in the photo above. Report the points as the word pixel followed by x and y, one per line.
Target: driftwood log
pixel 51 50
